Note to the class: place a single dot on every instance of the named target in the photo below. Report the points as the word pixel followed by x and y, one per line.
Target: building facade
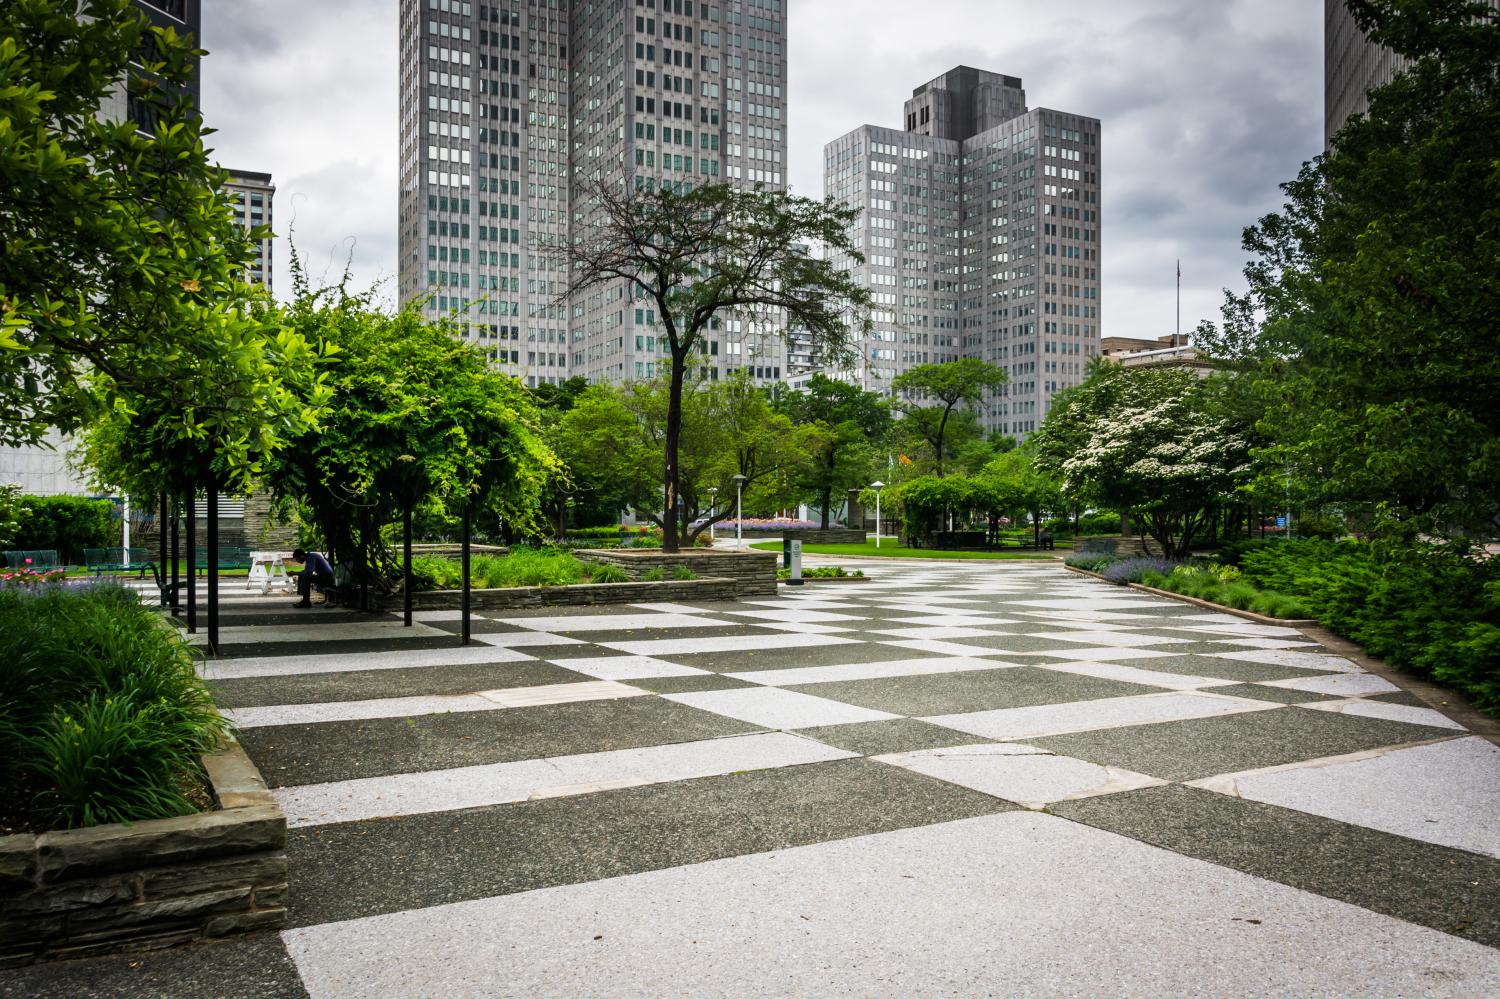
pixel 980 228
pixel 510 110
pixel 1352 67
pixel 251 195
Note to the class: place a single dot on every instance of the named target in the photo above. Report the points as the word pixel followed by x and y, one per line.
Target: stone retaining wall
pixel 753 572
pixel 818 536
pixel 511 597
pixel 79 892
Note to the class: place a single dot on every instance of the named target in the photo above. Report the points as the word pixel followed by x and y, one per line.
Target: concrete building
pixel 1352 67
pixel 252 194
pixel 508 107
pixel 1170 351
pixel 980 226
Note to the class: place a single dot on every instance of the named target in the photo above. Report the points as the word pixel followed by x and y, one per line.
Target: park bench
pixel 37 560
pixel 116 560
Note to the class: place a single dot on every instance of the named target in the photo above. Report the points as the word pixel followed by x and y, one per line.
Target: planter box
pixel 510 597
pixel 138 886
pixel 753 573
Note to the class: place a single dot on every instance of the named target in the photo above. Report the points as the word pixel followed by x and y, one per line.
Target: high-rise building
pixel 1352 67
pixel 980 227
pixel 508 109
pixel 251 194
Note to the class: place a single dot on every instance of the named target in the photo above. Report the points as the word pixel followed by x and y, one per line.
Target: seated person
pixel 316 569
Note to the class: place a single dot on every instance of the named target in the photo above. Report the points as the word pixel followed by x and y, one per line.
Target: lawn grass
pixel 890 549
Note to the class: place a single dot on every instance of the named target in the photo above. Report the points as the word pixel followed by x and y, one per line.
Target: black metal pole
pixel 191 525
pixel 212 543
pixel 406 565
pixel 161 550
pixel 468 523
pixel 174 599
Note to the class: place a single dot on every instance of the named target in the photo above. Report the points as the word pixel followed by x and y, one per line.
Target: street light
pixel 877 486
pixel 739 514
pixel 713 508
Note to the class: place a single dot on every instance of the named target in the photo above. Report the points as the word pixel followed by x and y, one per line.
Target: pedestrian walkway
pixel 954 779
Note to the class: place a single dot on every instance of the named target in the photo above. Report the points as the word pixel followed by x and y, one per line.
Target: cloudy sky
pixel 1206 106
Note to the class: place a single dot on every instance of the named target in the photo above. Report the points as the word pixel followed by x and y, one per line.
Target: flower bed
pixel 130 823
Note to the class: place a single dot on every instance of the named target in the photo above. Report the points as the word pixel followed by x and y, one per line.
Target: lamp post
pixel 877 486
pixel 739 512
pixel 713 508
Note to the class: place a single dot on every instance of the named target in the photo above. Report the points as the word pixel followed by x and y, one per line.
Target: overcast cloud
pixel 1207 105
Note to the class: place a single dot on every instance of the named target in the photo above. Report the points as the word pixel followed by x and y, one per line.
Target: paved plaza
pixel 954 779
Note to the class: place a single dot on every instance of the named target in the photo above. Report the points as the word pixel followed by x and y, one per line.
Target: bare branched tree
pixel 713 253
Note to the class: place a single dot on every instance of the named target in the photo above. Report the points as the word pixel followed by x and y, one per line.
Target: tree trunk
pixel 672 528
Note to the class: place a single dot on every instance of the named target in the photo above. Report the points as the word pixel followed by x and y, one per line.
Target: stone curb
pixel 73 893
pixel 821 580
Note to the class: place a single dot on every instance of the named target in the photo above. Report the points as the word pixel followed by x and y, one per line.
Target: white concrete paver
pixel 559 776
pixel 777 708
pixel 1087 716
pixel 1030 777
pixel 1018 904
pixel 1447 792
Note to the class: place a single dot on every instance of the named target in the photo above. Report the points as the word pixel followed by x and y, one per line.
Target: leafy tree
pixel 952 384
pixel 1373 300
pixel 709 254
pixel 120 273
pixel 856 421
pixel 1012 481
pixel 416 413
pixel 614 437
pixel 925 500
pixel 1146 440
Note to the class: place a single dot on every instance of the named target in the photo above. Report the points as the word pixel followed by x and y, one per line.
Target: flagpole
pixel 1179 298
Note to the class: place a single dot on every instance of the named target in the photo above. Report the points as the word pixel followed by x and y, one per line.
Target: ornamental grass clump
pixel 102 714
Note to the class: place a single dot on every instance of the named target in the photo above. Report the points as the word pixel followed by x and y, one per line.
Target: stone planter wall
pixel 752 572
pixel 511 597
pixel 80 892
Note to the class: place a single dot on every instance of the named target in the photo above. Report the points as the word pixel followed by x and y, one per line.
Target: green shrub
pixel 607 574
pixel 66 524
pixel 102 713
pixel 1156 579
pixel 1429 610
pixel 654 575
pixel 682 572
pixel 611 533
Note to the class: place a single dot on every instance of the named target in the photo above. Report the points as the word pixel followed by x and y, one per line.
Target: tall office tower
pixel 510 110
pixel 251 194
pixel 1352 67
pixel 979 222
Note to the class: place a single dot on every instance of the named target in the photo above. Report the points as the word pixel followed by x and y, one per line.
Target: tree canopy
pixel 710 254
pixel 952 384
pixel 120 273
pixel 1146 440
pixel 416 413
pixel 856 421
pixel 1369 322
pixel 612 440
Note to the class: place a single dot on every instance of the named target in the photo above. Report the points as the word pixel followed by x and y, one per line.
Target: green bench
pixel 115 560
pixel 229 558
pixel 38 560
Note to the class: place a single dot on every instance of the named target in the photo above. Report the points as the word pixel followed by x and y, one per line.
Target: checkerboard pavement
pixel 954 778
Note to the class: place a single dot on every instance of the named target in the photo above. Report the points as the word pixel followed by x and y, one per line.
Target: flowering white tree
pixel 1148 441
